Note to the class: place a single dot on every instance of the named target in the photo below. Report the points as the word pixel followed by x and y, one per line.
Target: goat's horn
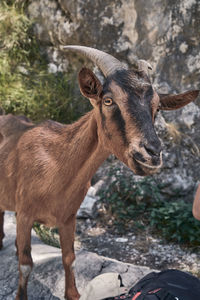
pixel 143 65
pixel 106 62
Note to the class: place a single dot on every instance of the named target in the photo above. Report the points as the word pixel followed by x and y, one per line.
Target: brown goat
pixel 46 169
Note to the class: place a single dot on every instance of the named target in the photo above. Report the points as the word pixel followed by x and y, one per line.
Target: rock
pixel 127 29
pixel 86 208
pixel 121 240
pixel 96 188
pixel 52 68
pixel 98 265
pixel 47 278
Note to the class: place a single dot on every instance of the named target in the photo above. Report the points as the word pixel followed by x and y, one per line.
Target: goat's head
pixel 125 107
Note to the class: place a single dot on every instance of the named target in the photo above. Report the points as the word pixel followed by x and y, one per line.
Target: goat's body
pixel 44 158
pixel 11 129
pixel 45 175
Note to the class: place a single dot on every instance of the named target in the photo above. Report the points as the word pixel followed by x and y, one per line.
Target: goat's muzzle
pixel 146 159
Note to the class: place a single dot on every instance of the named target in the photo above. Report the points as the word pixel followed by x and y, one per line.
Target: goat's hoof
pixel 72 298
pixel 21 294
pixel 21 298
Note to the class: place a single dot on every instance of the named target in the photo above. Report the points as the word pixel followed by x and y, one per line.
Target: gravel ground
pixel 141 248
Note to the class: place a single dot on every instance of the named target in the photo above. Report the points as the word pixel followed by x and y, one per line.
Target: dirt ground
pixel 140 248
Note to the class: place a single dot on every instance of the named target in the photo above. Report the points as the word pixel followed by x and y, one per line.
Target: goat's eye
pixel 108 101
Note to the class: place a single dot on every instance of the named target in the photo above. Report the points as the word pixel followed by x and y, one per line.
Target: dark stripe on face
pixel 103 123
pixel 138 105
pixel 119 121
pixel 139 96
pixel 141 113
pixel 103 118
pixel 140 93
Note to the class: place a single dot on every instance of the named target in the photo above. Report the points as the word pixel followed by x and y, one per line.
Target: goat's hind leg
pixel 1 228
pixel 24 226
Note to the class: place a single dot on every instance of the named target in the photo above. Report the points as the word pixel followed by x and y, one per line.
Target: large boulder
pixel 165 34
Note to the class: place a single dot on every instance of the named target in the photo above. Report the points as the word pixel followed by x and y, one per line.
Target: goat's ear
pixel 171 102
pixel 90 86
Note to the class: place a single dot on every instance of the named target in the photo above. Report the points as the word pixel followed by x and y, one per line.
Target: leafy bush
pixel 138 203
pixel 26 87
pixel 129 199
pixel 174 220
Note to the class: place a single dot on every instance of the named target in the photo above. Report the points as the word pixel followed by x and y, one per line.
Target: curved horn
pixel 106 62
pixel 143 65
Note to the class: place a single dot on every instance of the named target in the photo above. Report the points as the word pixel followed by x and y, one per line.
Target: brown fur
pixel 46 169
pixel 171 102
pixel 44 159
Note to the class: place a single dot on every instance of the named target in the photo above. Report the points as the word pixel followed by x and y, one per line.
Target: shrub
pixel 129 199
pixel 175 222
pixel 48 235
pixel 138 202
pixel 26 87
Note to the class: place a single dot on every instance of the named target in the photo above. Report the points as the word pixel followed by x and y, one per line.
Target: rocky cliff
pixel 166 33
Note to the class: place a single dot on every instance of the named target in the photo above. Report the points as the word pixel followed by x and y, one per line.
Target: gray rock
pixel 121 240
pixel 128 29
pixel 87 207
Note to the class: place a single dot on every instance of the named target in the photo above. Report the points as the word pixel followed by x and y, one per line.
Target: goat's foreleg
pixel 24 226
pixel 1 228
pixel 67 244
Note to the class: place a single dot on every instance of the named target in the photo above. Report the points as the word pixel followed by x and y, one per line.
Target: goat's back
pixel 14 125
pixel 11 129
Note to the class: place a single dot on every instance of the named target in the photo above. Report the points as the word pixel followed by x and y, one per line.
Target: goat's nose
pixel 153 149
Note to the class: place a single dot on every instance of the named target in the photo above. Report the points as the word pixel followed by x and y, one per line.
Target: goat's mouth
pixel 148 166
pixel 145 168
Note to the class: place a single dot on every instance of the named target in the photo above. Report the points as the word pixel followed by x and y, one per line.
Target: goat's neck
pixel 84 151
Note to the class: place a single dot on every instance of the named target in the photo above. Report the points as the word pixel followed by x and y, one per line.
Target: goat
pixel 46 168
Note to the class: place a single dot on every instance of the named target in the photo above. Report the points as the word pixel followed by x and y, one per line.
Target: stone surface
pixel 47 278
pixel 166 33
pixel 88 206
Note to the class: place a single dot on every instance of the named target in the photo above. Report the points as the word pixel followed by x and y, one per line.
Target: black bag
pixel 165 285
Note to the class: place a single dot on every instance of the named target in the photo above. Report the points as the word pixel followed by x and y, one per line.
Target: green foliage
pixel 139 204
pixel 129 199
pixel 26 86
pixel 48 235
pixel 174 220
